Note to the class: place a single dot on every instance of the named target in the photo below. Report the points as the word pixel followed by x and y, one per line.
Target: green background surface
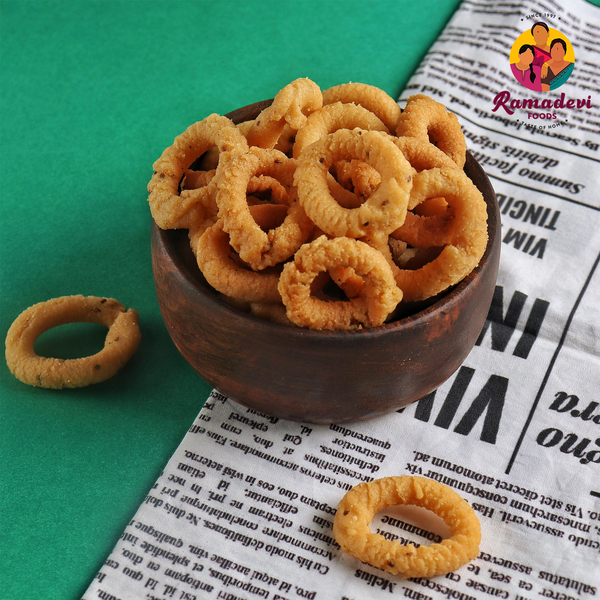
pixel 91 93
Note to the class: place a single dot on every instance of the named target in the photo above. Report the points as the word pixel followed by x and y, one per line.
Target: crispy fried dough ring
pixel 426 232
pixel 170 209
pixel 222 271
pixel 341 195
pixel 262 183
pixel 426 119
pixel 121 342
pixel 291 105
pixel 361 176
pixel 385 209
pixel 256 247
pixel 333 117
pixel 358 507
pixel 468 234
pixel 367 96
pixel 377 297
pixel 422 155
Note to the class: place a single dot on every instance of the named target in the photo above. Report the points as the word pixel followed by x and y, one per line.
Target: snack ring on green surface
pixel 121 342
pixel 358 507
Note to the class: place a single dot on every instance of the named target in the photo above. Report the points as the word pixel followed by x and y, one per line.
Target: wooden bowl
pixel 321 376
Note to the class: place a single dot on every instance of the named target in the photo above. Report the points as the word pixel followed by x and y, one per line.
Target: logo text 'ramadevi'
pixel 503 100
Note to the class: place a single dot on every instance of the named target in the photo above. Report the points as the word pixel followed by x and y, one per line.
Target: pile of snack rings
pixel 329 209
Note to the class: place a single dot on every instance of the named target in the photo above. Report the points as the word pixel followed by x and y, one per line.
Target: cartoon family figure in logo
pixel 544 65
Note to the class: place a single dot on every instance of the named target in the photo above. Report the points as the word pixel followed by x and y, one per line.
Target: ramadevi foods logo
pixel 542 58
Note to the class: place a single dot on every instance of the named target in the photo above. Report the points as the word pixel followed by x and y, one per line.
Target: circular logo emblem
pixel 542 58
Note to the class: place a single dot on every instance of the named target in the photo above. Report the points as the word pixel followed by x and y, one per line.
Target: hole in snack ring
pixel 121 341
pixel 385 209
pixel 72 340
pixel 410 524
pixel 351 527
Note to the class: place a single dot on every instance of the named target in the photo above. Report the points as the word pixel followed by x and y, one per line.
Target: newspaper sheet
pixel 244 508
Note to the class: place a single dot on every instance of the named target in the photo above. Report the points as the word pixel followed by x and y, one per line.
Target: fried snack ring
pixel 291 105
pixel 380 241
pixel 341 195
pixel 170 209
pixel 358 507
pixel 197 179
pixel 422 155
pixel 385 209
pixel 333 117
pixel 427 232
pixel 286 140
pixel 367 96
pixel 468 234
pixel 225 273
pixel 426 119
pixel 121 342
pixel 210 159
pixel 256 247
pixel 200 180
pixel 262 183
pixel 358 175
pixel 377 298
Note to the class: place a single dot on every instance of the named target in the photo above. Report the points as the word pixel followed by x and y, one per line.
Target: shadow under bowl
pixel 322 376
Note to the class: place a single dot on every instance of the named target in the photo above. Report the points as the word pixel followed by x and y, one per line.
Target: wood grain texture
pixel 322 376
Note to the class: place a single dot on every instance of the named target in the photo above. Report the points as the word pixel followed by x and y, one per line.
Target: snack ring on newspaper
pixel 333 117
pixel 121 342
pixel 468 234
pixel 171 209
pixel 376 299
pixel 426 119
pixel 256 247
pixel 358 507
pixel 223 270
pixel 385 209
pixel 291 105
pixel 367 96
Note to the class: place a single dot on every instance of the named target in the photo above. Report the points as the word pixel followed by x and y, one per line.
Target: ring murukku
pixel 332 117
pixel 121 342
pixel 286 140
pixel 385 209
pixel 226 273
pixel 426 119
pixel 291 105
pixel 367 96
pixel 256 247
pixel 377 298
pixel 426 232
pixel 170 208
pixel 358 176
pixel 468 234
pixel 358 507
pixel 278 193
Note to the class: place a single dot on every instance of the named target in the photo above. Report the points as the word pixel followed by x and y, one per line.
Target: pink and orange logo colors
pixel 542 58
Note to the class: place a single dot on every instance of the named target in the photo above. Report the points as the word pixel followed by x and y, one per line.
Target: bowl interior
pixel 305 375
